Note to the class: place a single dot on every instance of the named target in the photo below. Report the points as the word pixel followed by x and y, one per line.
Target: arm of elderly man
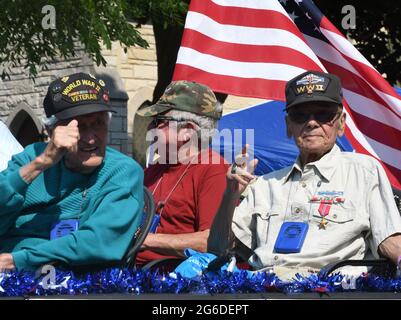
pixel 107 224
pixel 222 239
pixel 103 237
pixel 26 167
pixel 197 204
pixel 384 221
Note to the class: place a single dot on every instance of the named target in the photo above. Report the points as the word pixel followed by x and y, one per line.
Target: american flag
pixel 251 48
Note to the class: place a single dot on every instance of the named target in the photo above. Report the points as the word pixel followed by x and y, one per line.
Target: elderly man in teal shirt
pixel 72 200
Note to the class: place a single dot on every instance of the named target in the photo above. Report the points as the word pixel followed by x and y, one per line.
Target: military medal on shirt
pixel 326 200
pixel 292 234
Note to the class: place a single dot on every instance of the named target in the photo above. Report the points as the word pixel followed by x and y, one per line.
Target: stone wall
pixel 20 90
pixel 22 97
pixel 131 75
pixel 138 71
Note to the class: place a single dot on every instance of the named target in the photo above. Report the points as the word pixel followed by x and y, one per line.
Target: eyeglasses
pixel 320 116
pixel 161 120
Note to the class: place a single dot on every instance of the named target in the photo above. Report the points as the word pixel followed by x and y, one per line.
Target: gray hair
pixel 50 122
pixel 207 125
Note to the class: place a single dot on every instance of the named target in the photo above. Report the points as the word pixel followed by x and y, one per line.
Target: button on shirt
pixel 356 224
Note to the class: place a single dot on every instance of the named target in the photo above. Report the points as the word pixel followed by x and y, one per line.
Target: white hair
pixel 50 122
pixel 207 125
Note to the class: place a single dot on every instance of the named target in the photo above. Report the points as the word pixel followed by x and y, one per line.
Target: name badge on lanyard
pixel 63 228
pixel 291 237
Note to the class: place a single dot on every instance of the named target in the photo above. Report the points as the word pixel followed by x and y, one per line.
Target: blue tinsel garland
pixel 140 282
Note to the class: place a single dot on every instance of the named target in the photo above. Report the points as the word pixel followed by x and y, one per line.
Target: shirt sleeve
pixel 12 192
pixel 242 220
pixel 385 219
pixel 103 237
pixel 210 195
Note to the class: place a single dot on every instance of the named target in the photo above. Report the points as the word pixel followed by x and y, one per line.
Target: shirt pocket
pixel 264 220
pixel 337 215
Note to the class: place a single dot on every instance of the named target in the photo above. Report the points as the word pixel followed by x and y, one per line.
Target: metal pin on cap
pixel 56 88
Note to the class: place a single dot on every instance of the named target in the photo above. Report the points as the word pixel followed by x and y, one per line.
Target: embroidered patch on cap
pixel 78 91
pixel 311 83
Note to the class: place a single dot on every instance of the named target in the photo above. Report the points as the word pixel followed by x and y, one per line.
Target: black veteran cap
pixel 312 86
pixel 76 95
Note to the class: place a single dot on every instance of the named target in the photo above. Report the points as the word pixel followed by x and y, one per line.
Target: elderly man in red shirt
pixel 189 179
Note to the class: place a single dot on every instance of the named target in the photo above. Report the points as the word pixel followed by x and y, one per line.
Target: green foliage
pixel 168 12
pixel 377 32
pixel 97 22
pixel 23 40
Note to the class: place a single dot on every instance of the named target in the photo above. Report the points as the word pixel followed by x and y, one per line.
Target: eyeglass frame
pixel 333 118
pixel 156 120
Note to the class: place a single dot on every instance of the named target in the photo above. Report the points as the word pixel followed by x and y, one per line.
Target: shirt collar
pixel 325 165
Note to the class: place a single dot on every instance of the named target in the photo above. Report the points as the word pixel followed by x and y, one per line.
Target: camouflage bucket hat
pixel 186 96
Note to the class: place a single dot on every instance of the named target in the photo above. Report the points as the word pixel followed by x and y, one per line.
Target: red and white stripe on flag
pixel 251 48
pixel 246 48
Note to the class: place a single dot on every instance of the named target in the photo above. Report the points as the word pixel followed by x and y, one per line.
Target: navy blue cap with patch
pixel 75 95
pixel 313 86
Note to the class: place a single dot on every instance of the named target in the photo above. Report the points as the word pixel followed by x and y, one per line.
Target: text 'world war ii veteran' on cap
pixel 76 95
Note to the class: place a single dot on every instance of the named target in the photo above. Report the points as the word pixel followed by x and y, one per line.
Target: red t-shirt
pixel 193 203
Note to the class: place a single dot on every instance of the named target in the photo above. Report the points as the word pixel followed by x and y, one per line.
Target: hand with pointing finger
pixel 240 173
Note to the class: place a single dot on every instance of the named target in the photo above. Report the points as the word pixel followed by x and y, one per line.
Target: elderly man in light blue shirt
pixel 328 206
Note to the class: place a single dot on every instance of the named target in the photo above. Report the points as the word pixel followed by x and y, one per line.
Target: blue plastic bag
pixel 197 262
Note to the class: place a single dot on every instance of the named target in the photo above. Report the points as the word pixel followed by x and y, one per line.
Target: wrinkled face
pixel 165 128
pixel 315 127
pixel 171 137
pixel 92 143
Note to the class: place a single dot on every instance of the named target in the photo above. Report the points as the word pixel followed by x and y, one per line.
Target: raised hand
pixel 240 173
pixel 63 139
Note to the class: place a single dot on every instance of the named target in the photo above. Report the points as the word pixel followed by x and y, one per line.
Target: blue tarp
pixel 271 145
